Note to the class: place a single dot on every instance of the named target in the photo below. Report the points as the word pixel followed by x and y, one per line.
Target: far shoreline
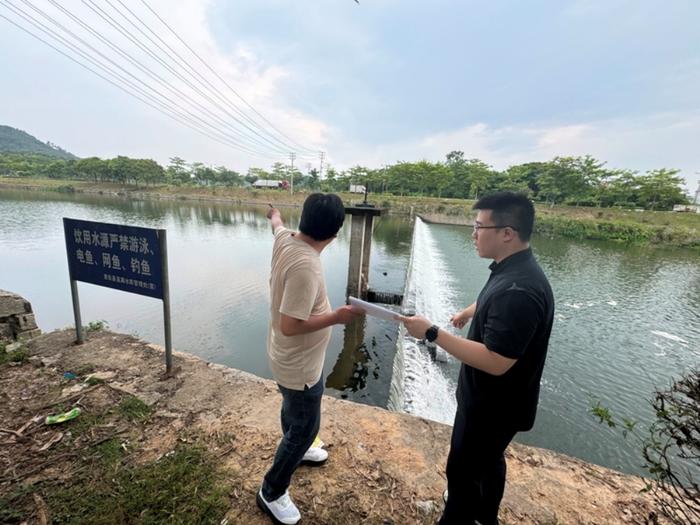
pixel 644 228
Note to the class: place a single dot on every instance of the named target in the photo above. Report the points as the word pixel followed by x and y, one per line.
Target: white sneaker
pixel 315 456
pixel 282 510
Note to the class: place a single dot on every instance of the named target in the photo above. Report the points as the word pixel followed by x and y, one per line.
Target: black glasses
pixel 478 227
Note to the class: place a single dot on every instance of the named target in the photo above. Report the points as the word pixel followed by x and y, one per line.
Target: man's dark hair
pixel 322 216
pixel 510 209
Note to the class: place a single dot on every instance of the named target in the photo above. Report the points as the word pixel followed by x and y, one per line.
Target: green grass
pixel 84 369
pixel 107 486
pixel 11 503
pixel 110 452
pixel 183 487
pixel 83 423
pixel 130 408
pixel 20 355
pixel 134 409
pixel 96 326
pixel 92 381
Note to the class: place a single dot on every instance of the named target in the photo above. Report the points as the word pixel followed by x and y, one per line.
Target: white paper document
pixel 374 310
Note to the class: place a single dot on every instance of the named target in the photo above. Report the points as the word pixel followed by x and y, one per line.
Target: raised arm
pixel 275 218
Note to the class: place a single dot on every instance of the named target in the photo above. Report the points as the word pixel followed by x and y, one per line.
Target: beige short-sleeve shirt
pixel 297 289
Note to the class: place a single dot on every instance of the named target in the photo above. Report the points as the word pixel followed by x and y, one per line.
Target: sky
pixel 369 84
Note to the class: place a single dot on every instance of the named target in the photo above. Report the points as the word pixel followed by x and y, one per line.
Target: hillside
pixel 17 141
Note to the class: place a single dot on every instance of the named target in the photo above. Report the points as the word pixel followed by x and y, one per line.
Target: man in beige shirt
pixel 300 328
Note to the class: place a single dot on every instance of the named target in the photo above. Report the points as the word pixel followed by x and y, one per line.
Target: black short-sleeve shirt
pixel 514 316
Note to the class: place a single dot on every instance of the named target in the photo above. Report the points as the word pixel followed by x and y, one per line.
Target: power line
pixel 119 81
pixel 121 68
pixel 147 93
pixel 220 78
pixel 196 75
pixel 134 39
pixel 116 25
pixel 292 156
pixel 138 64
pixel 173 104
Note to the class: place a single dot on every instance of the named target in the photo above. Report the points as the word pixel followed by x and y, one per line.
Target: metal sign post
pixel 166 302
pixel 126 258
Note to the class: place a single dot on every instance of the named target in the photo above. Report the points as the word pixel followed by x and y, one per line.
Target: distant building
pixel 277 184
pixel 357 188
pixel 687 208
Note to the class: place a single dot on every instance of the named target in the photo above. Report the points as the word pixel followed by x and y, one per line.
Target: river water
pixel 627 318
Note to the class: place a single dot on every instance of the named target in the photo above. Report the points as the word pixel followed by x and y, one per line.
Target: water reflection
pixel 350 369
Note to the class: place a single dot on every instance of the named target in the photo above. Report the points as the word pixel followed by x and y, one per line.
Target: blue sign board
pixel 123 257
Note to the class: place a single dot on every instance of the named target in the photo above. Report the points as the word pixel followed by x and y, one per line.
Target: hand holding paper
pixel 374 310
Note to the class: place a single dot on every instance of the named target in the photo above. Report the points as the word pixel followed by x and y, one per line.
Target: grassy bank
pixel 193 448
pixel 98 468
pixel 647 227
pixel 639 227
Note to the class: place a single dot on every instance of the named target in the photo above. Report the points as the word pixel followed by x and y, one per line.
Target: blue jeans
pixel 301 419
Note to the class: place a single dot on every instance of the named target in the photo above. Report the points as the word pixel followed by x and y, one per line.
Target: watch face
pixel 431 333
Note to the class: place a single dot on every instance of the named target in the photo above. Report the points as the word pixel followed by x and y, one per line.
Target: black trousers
pixel 476 470
pixel 301 418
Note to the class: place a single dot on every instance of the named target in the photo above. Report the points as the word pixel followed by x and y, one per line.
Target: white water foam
pixel 427 391
pixel 670 337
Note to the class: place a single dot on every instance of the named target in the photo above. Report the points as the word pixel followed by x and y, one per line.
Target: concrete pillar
pixel 360 247
pixel 357 236
pixel 366 249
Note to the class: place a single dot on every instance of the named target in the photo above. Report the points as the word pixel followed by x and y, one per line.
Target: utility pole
pixel 321 155
pixel 292 156
pixel 697 193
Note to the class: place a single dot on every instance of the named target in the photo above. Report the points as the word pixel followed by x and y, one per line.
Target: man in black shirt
pixel 502 358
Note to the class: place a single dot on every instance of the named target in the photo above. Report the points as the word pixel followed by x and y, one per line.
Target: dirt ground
pixel 384 467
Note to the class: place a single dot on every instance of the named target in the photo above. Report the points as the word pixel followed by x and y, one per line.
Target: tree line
pixel 580 181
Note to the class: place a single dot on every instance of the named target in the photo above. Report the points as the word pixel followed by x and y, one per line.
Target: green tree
pixel 256 174
pixel 177 171
pixel 661 189
pixel 279 171
pixel 150 171
pixel 92 168
pixel 461 179
pixel 227 177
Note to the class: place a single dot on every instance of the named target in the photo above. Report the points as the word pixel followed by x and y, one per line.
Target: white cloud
pixel 256 81
pixel 101 120
pixel 88 117
pixel 641 143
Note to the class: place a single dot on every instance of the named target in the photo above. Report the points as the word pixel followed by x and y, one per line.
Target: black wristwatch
pixel 431 333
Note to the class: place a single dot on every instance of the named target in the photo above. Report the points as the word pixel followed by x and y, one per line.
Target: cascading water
pixel 428 384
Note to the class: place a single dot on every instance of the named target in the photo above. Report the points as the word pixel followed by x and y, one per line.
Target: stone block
pixel 6 332
pixel 29 334
pixel 11 304
pixel 26 322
